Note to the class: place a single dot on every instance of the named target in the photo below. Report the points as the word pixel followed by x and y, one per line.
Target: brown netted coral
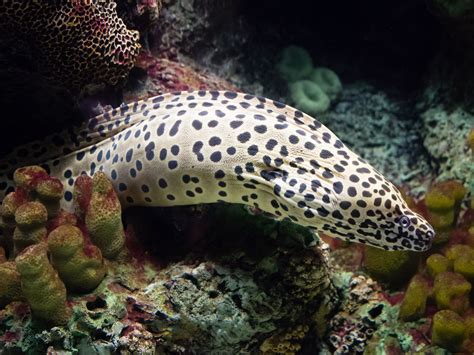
pixel 75 42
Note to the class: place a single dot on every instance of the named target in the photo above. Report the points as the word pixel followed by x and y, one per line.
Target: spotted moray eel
pixel 188 148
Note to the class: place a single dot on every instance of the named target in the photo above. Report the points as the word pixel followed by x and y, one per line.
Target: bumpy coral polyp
pixel 41 285
pixel 103 217
pixel 79 270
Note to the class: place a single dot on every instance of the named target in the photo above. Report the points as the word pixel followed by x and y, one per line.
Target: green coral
pixel 413 305
pixel 41 286
pixel 80 267
pixel 448 330
pixel 295 63
pixel 309 97
pixel 311 89
pixel 327 80
pixel 103 217
pixel 451 291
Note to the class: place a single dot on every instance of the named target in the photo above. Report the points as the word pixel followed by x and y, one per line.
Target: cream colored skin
pixel 208 146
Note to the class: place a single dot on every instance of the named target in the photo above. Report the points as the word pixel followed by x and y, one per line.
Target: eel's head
pixel 350 200
pixel 371 210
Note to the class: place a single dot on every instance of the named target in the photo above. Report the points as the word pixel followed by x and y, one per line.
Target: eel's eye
pixel 404 221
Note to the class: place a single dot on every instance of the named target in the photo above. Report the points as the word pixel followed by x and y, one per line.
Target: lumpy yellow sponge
pixel 80 267
pixel 41 286
pixel 103 217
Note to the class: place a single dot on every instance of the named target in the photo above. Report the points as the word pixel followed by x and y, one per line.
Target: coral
pixel 79 266
pixel 443 201
pixel 30 229
pixel 103 217
pixel 76 43
pixel 392 267
pixel 413 305
pixel 41 286
pixel 39 186
pixel 287 342
pixel 327 80
pixel 308 97
pixel 437 263
pixel 451 291
pixel 10 286
pixel 462 259
pixel 448 330
pixel 294 64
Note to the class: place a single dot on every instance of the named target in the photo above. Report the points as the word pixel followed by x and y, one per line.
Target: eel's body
pixel 202 147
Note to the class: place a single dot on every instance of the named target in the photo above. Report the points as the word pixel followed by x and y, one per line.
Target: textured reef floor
pixel 226 279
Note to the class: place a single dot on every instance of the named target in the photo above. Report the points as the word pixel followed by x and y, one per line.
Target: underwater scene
pixel 237 177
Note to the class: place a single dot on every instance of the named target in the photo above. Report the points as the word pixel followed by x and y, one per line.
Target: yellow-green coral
pixel 80 267
pixel 448 330
pixel 41 286
pixel 103 217
pixel 10 286
pixel 437 263
pixel 30 219
pixel 443 201
pixel 413 305
pixel 451 291
pixel 392 267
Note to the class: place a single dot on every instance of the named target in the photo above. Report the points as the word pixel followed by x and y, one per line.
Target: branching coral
pixel 75 42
